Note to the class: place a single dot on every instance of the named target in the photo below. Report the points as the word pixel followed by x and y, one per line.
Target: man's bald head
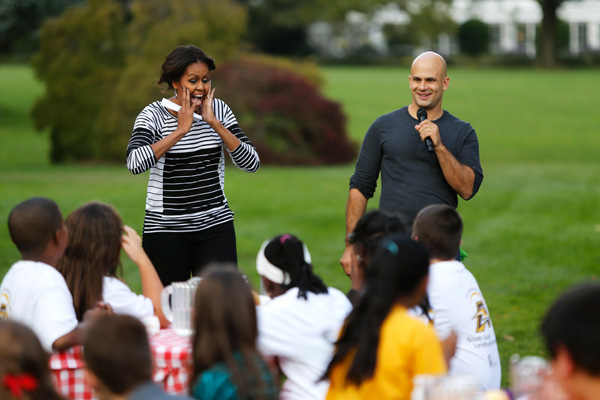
pixel 33 223
pixel 431 57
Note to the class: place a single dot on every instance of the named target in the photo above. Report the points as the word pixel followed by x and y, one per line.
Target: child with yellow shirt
pixel 382 347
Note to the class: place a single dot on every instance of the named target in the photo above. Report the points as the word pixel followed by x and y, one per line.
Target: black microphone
pixel 422 116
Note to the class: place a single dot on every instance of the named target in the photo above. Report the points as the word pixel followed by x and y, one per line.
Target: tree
pixel 80 56
pixel 101 61
pixel 474 37
pixel 548 49
pixel 20 22
pixel 428 19
pixel 284 114
pixel 279 27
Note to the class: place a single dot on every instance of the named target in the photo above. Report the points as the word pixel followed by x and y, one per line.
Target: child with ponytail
pixel 301 322
pixel 382 347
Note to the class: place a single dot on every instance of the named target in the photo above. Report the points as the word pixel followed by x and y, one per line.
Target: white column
pixel 594 36
pixel 573 39
pixel 444 46
pixel 508 38
pixel 530 40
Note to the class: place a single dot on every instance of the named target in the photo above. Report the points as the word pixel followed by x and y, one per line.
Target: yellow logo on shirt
pixel 483 317
pixel 4 307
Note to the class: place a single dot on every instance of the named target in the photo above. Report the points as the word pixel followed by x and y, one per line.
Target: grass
pixel 532 230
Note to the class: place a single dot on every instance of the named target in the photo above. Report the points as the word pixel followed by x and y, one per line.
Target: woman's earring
pixel 175 93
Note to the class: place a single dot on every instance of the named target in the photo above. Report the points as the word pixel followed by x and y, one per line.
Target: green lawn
pixel 533 229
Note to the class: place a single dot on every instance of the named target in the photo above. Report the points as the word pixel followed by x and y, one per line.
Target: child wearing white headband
pixel 301 323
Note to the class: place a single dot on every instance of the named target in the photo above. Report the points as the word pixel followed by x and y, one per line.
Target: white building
pixel 513 26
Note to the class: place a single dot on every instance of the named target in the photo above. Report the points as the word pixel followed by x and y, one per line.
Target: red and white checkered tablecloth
pixel 172 355
pixel 68 370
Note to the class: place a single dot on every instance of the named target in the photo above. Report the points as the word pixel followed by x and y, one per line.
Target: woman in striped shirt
pixel 188 222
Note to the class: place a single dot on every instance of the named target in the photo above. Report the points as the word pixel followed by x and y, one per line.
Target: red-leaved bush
pixel 284 114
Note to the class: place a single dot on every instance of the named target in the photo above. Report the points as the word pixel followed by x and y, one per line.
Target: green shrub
pixel 284 114
pixel 100 63
pixel 474 37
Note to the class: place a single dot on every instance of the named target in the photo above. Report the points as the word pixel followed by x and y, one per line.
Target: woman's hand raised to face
pixel 207 112
pixel 185 115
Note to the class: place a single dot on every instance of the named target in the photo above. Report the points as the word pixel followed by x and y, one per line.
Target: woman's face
pixel 196 79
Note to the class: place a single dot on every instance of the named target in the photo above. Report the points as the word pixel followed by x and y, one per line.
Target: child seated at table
pixel 363 240
pixel 226 364
pixel 456 300
pixel 91 261
pixel 33 291
pixel 24 372
pixel 571 332
pixel 119 362
pixel 382 347
pixel 302 321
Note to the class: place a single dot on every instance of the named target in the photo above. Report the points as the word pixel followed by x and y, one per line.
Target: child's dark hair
pixel 24 368
pixel 372 226
pixel 225 331
pixel 368 232
pixel 573 321
pixel 397 268
pixel 439 228
pixel 287 253
pixel 93 251
pixel 32 224
pixel 117 351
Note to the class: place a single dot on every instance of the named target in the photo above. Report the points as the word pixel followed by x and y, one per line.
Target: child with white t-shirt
pixel 302 321
pixel 455 297
pixel 33 292
pixel 92 259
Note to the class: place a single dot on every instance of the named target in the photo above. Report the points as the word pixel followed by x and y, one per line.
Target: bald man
pixel 413 177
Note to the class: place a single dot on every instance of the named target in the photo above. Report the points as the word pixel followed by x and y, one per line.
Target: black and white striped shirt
pixel 185 187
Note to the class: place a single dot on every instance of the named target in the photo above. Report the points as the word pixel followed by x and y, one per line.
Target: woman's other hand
pixel 185 115
pixel 206 110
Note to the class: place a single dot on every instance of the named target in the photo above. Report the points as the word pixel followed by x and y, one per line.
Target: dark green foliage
pixel 276 39
pixel 474 37
pixel 279 27
pixel 284 114
pixel 101 61
pixel 20 22
pixel 400 39
pixel 80 57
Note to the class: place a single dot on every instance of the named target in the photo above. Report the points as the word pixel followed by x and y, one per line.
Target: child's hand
pixel 99 310
pixel 132 244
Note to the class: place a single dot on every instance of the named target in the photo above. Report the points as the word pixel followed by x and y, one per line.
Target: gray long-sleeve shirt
pixel 411 176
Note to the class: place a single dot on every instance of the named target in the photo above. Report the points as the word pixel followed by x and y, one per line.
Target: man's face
pixel 428 83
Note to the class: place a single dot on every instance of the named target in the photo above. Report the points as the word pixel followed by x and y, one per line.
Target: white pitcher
pixel 180 308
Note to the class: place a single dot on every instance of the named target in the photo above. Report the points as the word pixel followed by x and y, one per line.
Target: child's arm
pixel 151 284
pixel 75 337
pixel 71 339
